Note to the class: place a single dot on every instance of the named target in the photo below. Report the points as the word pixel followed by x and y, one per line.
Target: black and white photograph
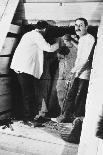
pixel 51 77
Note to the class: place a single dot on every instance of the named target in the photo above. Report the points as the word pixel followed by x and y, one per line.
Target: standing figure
pixel 27 62
pixel 75 106
pixel 67 55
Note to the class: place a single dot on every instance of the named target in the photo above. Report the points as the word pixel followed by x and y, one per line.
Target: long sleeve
pixel 43 45
pixel 84 49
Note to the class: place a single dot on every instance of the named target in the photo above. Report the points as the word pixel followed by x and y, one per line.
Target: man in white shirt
pixel 27 62
pixel 77 96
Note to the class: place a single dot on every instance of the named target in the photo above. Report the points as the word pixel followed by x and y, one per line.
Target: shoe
pixel 40 121
pixel 74 135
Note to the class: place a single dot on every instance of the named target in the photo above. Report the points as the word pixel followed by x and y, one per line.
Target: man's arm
pixel 83 59
pixel 44 45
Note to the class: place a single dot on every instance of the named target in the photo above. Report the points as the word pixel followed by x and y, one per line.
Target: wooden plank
pixel 11 40
pixel 4 65
pixel 5 85
pixel 9 46
pixel 3 4
pixel 5 102
pixel 21 10
pixel 16 29
pixel 6 20
pixel 68 11
pixel 58 1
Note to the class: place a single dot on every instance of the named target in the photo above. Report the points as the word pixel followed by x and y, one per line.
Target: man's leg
pixel 70 101
pixel 79 107
pixel 80 99
pixel 26 82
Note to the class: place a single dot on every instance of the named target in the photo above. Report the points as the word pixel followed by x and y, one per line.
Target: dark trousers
pixel 76 101
pixel 26 82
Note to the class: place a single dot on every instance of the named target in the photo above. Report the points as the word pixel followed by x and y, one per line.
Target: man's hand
pixel 70 78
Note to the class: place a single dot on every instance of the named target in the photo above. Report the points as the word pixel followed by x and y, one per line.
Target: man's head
pixel 42 25
pixel 81 26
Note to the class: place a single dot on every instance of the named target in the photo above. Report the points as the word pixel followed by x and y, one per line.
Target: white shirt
pixel 84 48
pixel 28 56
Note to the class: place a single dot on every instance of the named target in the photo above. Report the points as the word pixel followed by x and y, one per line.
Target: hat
pixel 41 24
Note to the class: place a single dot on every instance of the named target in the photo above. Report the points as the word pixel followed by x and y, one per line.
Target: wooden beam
pixel 58 1
pixel 6 20
pixel 68 11
pixel 15 29
pixel 3 4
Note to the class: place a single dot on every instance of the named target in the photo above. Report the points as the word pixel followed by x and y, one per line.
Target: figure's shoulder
pixel 90 37
pixel 34 34
pixel 28 34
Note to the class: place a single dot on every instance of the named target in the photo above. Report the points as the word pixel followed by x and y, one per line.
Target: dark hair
pixel 83 19
pixel 41 24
